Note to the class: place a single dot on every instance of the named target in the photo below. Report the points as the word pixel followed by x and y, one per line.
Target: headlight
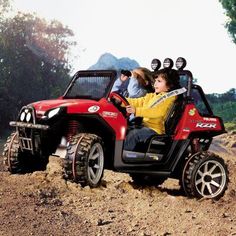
pixel 180 63
pixel 155 64
pixel 22 116
pixel 53 112
pixel 28 117
pixel 168 63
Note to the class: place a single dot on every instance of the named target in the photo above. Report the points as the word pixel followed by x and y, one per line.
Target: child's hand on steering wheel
pixel 130 109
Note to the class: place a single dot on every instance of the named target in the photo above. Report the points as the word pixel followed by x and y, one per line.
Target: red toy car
pixel 87 128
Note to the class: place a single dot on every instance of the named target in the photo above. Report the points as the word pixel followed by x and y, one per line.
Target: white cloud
pixel 144 29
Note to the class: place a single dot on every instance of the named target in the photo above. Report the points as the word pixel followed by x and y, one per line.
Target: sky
pixel 147 29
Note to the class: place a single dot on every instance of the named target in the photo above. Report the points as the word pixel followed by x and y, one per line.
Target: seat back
pixel 174 115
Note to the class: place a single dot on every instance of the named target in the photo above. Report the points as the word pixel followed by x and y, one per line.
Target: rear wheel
pixel 84 162
pixel 205 175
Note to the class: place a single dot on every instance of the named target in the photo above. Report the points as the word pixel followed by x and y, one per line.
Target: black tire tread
pixel 12 148
pixel 190 167
pixel 80 153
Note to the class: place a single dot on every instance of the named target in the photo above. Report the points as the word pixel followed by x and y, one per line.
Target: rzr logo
pixel 206 125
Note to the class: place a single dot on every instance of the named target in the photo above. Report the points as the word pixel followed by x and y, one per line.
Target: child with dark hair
pixel 134 84
pixel 153 108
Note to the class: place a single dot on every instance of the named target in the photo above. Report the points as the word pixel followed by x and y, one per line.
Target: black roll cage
pixel 191 86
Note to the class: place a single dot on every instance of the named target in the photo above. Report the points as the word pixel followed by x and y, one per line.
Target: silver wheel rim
pixel 95 163
pixel 210 179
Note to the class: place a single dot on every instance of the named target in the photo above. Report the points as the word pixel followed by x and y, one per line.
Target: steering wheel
pixel 118 99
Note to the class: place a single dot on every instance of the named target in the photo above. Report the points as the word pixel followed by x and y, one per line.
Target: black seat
pixel 161 143
pixel 174 115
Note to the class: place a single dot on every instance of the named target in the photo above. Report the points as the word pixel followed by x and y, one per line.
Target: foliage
pixel 224 105
pixel 230 126
pixel 225 110
pixel 230 8
pixel 4 6
pixel 33 61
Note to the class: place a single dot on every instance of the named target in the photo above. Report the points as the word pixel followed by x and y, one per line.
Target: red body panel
pixel 103 108
pixel 192 121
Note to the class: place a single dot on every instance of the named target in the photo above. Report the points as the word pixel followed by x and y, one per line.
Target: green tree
pixel 4 6
pixel 230 8
pixel 224 105
pixel 33 62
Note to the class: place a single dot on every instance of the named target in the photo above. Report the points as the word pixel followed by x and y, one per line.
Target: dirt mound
pixel 43 203
pixel 225 143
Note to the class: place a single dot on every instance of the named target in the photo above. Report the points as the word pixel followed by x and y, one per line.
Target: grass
pixel 230 126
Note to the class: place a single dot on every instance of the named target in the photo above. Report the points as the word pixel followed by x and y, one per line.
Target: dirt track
pixel 42 203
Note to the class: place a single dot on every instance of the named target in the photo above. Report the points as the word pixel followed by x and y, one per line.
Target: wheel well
pixel 96 125
pixel 203 140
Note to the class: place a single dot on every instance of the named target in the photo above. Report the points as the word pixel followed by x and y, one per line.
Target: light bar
pixel 155 64
pixel 168 63
pixel 180 63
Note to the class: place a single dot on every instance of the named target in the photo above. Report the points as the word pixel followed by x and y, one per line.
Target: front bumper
pixel 28 125
pixel 29 135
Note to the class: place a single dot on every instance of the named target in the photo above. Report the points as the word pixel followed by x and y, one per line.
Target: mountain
pixel 108 61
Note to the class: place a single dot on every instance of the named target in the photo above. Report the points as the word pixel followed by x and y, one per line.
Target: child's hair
pixel 125 73
pixel 144 77
pixel 171 77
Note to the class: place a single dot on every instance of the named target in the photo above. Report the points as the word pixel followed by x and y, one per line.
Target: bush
pixel 230 126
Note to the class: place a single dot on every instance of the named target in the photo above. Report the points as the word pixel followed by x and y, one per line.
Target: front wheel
pixel 84 162
pixel 12 154
pixel 17 161
pixel 205 175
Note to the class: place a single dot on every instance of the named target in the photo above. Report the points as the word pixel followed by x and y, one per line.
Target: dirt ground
pixel 42 203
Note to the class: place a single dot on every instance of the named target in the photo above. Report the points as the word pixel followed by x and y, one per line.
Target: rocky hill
pixel 108 61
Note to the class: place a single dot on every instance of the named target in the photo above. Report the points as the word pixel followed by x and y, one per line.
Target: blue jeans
pixel 136 136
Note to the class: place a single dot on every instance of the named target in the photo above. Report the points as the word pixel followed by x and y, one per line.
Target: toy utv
pixel 87 128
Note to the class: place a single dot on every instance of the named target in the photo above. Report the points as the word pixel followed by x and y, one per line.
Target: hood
pixel 50 104
pixel 79 104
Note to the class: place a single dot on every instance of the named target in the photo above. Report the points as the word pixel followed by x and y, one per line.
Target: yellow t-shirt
pixel 153 117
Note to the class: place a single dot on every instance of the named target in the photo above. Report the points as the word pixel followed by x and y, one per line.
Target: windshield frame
pixel 92 73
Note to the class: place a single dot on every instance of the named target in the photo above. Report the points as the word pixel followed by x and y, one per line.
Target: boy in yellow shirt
pixel 153 108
